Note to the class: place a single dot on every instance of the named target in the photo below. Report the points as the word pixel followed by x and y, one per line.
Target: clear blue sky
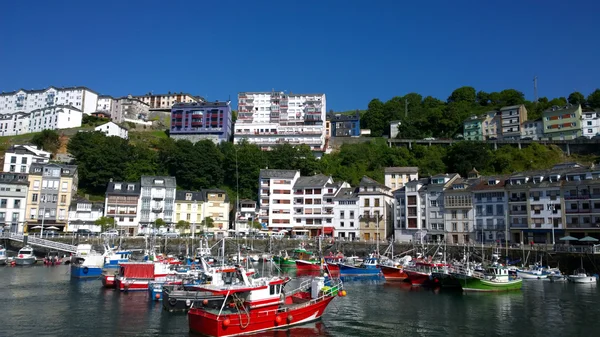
pixel 351 50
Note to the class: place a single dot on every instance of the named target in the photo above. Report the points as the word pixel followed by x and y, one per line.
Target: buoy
pixel 205 302
pixel 342 293
pixel 157 296
pixel 226 322
pixel 278 319
pixel 290 318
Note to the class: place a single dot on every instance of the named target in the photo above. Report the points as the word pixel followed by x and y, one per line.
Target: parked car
pixel 429 138
pixel 110 233
pixel 85 232
pixel 527 138
pixel 169 234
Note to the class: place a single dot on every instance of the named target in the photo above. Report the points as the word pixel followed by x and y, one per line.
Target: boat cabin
pixel 302 254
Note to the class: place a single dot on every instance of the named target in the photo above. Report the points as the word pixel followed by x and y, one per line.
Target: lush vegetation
pixel 89 120
pixel 431 117
pixel 229 166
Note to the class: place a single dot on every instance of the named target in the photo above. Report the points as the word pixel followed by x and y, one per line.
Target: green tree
pixel 374 118
pixel 463 94
pixel 105 223
pixel 511 97
pixel 208 222
pixel 49 140
pixel 462 157
pixel 594 99
pixel 159 223
pixel 256 225
pixel 483 98
pixel 182 226
pixel 576 98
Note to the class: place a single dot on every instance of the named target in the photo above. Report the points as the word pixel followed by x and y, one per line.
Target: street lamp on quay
pixel 552 208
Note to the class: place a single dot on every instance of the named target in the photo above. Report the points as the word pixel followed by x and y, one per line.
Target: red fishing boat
pixel 136 276
pixel 393 273
pixel 308 265
pixel 255 305
pixel 420 273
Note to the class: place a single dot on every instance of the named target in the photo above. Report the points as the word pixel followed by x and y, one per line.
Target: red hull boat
pixel 391 273
pixel 420 274
pixel 307 265
pixel 261 305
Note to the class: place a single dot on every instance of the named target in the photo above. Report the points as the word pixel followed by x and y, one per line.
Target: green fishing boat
pixel 494 279
pixel 286 261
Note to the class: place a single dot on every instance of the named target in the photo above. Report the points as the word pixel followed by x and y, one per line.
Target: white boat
pixel 3 257
pixel 535 272
pixel 25 257
pixel 580 276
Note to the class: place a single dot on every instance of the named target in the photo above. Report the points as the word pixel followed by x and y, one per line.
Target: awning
pixel 327 230
pixel 542 230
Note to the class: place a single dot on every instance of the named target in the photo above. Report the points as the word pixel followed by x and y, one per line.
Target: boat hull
pixel 531 276
pixel 3 261
pixel 108 281
pixel 132 285
pixel 346 270
pixel 582 279
pixel 417 278
pixel 85 271
pixel 209 324
pixel 475 284
pixel 25 261
pixel 183 300
pixel 393 274
pixel 307 265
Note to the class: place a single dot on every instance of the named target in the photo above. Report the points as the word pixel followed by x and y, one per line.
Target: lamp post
pixel 43 217
pixel 552 208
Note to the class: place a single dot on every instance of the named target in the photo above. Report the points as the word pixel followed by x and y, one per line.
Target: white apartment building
pixel 106 104
pixel 533 129
pixel 81 98
pixel 14 124
pixel 112 129
pixel 245 216
pixel 123 203
pixel 310 215
pixel 272 118
pixel 54 118
pixel 83 215
pixel 18 158
pixel 396 177
pixel 346 218
pixel 166 101
pixel 590 123
pixel 158 199
pixel 276 198
pixel 13 201
pixel 491 209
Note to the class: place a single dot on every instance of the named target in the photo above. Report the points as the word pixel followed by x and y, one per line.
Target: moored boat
pixel 535 272
pixel 369 267
pixel 256 305
pixel 495 278
pixel 303 265
pixel 3 257
pixel 134 276
pixel 420 273
pixel 25 257
pixel 581 276
pixel 286 261
pixel 86 263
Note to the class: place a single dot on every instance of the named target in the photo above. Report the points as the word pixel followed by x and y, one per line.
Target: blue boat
pixel 86 263
pixel 81 271
pixel 368 267
pixel 113 258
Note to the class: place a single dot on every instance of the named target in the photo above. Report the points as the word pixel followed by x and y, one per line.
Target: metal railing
pixel 42 242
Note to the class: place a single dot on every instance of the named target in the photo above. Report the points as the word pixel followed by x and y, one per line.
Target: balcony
pixel 518 225
pixel 583 225
pixel 158 197
pixel 157 209
pixel 517 212
pixel 518 199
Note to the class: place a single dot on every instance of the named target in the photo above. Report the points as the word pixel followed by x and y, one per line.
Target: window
pixel 341 214
pixel 479 210
pixel 376 202
pixel 465 214
pixel 23 169
pixel 433 203
pixel 351 223
pixel 499 209
pixel 63 199
pixel 351 214
pixel 342 224
pixel 453 214
pixel 34 197
pixel 454 226
pixel 64 187
pixel 367 202
pixel 3 203
pixel 17 204
pixel 489 209
pixel 32 213
pixel 465 226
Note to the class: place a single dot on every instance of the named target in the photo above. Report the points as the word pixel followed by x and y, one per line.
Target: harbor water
pixel 45 301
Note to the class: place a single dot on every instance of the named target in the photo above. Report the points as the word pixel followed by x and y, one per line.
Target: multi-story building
pixel 491 125
pixel 310 214
pixel 512 119
pixel 158 200
pixel 346 219
pixel 18 158
pixel 458 205
pixel 562 123
pixel 106 104
pixel 581 202
pixel 123 203
pixel 217 207
pixel 189 206
pixel 14 123
pixel 344 125
pixel 276 198
pixel 409 213
pixel 80 98
pixel 83 215
pixel 54 118
pixel 590 123
pixel 166 101
pixel 245 216
pixel 13 201
pixel 473 128
pixel 375 203
pixel 51 189
pixel 129 109
pixel 533 130
pixel 112 129
pixel 396 177
pixel 395 129
pixel 272 118
pixel 491 209
pixel 201 120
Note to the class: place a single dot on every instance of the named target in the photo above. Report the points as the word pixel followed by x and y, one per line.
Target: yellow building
pixel 51 188
pixel 188 207
pixel 216 206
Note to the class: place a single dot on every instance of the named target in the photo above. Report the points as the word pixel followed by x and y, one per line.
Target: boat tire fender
pixel 172 301
pixel 86 270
